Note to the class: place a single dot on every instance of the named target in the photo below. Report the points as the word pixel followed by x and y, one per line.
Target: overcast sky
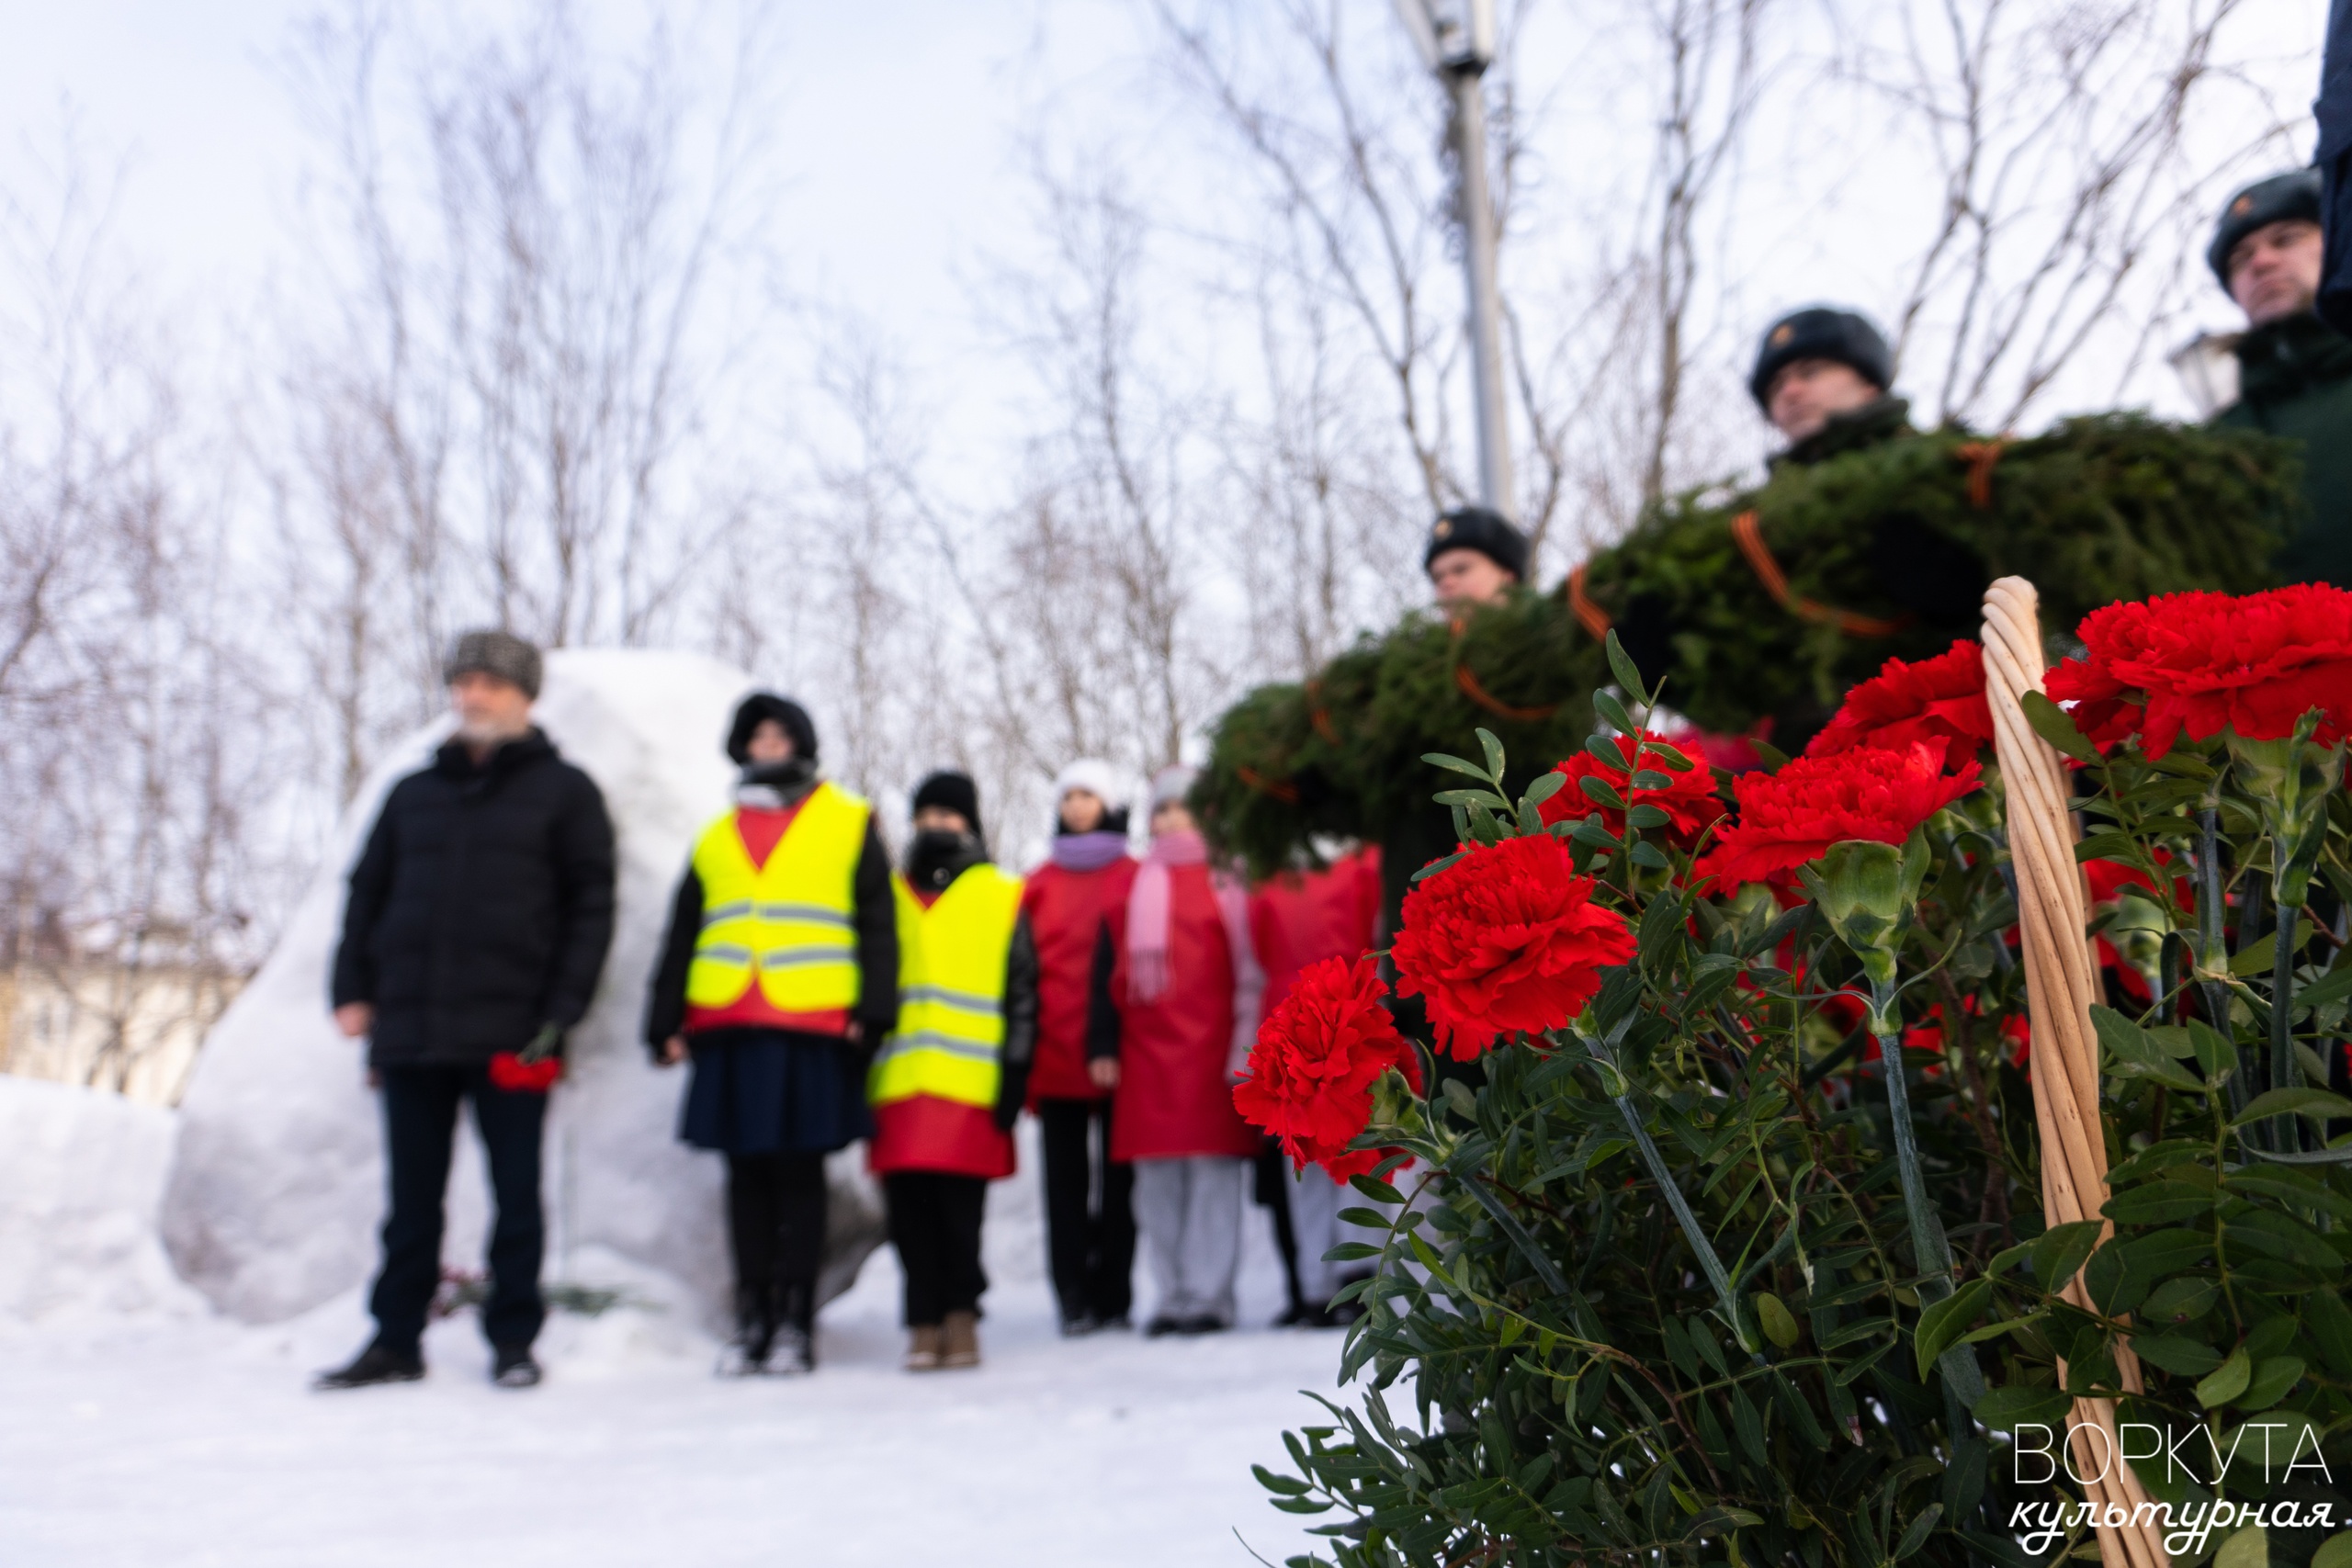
pixel 901 139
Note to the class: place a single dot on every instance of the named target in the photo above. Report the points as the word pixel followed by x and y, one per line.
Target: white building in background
pixel 134 1030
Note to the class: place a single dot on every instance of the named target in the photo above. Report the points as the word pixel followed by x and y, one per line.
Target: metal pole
pixel 1463 80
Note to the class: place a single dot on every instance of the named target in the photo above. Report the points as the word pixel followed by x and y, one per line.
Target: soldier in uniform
pixel 2295 370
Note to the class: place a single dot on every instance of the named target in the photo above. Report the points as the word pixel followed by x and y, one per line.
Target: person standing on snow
pixel 947 1083
pixel 477 923
pixel 1297 918
pixel 778 975
pixel 1089 1221
pixel 1176 987
pixel 2295 370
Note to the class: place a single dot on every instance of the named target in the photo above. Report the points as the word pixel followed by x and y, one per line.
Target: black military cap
pixel 1481 529
pixel 2274 201
pixel 1821 332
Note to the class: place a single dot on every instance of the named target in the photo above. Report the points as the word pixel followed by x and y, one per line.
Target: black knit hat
pixel 2294 194
pixel 953 790
pixel 762 706
pixel 498 654
pixel 1821 332
pixel 1477 528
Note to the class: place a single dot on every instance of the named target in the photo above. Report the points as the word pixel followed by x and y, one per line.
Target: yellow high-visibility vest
pixel 789 923
pixel 949 1038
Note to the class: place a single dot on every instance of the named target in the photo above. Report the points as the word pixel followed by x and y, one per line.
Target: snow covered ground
pixel 176 1437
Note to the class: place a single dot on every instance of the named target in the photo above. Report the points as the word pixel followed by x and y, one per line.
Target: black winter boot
pixel 374 1365
pixel 513 1366
pixel 795 1348
pixel 747 1354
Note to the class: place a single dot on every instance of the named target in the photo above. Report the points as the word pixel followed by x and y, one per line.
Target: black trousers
pixel 936 1225
pixel 1089 1214
pixel 775 1213
pixel 420 1121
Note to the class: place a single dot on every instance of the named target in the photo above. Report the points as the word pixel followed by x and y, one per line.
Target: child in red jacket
pixel 1175 1005
pixel 1084 884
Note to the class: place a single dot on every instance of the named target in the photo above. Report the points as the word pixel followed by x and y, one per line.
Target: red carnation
pixel 1688 798
pixel 1790 818
pixel 1315 1062
pixel 1938 703
pixel 1506 938
pixel 2202 662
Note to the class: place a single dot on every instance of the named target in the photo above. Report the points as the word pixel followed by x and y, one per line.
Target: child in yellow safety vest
pixel 949 1081
pixel 779 976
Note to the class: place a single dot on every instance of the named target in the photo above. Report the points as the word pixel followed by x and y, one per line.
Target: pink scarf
pixel 1148 903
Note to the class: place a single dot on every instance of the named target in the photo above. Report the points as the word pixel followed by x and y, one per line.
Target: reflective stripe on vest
pixel 789 922
pixel 951 992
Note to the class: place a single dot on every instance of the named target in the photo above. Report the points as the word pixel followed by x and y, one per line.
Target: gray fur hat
pixel 498 654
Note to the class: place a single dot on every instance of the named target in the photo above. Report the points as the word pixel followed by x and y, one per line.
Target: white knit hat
pixel 1098 778
pixel 1172 784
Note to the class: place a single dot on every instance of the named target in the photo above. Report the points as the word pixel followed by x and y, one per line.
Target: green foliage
pixel 2096 510
pixel 1650 1290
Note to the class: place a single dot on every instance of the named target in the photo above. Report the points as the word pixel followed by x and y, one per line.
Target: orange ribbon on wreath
pixel 1750 538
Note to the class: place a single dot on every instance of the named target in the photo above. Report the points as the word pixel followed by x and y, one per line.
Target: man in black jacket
pixel 477 919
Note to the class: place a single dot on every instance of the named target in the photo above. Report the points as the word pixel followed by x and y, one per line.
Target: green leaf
pixel 2287 1186
pixel 2273 1377
pixel 1602 792
pixel 2257 959
pixel 2248 1548
pixel 1455 764
pixel 2336 1551
pixel 1458 1096
pixel 2177 1354
pixel 2316 1103
pixel 1371 1187
pixel 1621 665
pixel 1545 787
pixel 1943 1322
pixel 1780 1328
pixel 1916 1536
pixel 2133 1052
pixel 2158 1156
pixel 1494 750
pixel 2049 722
pixel 2159 1203
pixel 1485 797
pixel 2060 1251
pixel 2216 1058
pixel 1647 816
pixel 2332 986
pixel 2227 1381
pixel 2006 1409
pixel 1286 1486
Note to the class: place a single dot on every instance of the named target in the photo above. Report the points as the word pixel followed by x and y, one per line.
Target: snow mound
pixel 276 1190
pixel 81 1174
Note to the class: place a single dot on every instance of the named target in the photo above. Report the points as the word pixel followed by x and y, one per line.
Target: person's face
pixel 1804 393
pixel 1082 811
pixel 940 819
pixel 1171 817
pixel 769 744
pixel 1464 576
pixel 488 708
pixel 2274 272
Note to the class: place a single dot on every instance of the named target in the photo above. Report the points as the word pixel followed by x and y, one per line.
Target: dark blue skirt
pixel 757 1091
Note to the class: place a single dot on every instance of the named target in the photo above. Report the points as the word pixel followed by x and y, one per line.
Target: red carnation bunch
pixel 1790 818
pixel 1688 798
pixel 2198 663
pixel 1506 938
pixel 1937 703
pixel 1315 1062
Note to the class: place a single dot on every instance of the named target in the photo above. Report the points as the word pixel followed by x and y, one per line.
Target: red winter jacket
pixel 1298 919
pixel 1067 910
pixel 1175 1094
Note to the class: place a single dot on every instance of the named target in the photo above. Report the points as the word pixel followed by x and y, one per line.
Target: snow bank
pixel 79 1174
pixel 275 1190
